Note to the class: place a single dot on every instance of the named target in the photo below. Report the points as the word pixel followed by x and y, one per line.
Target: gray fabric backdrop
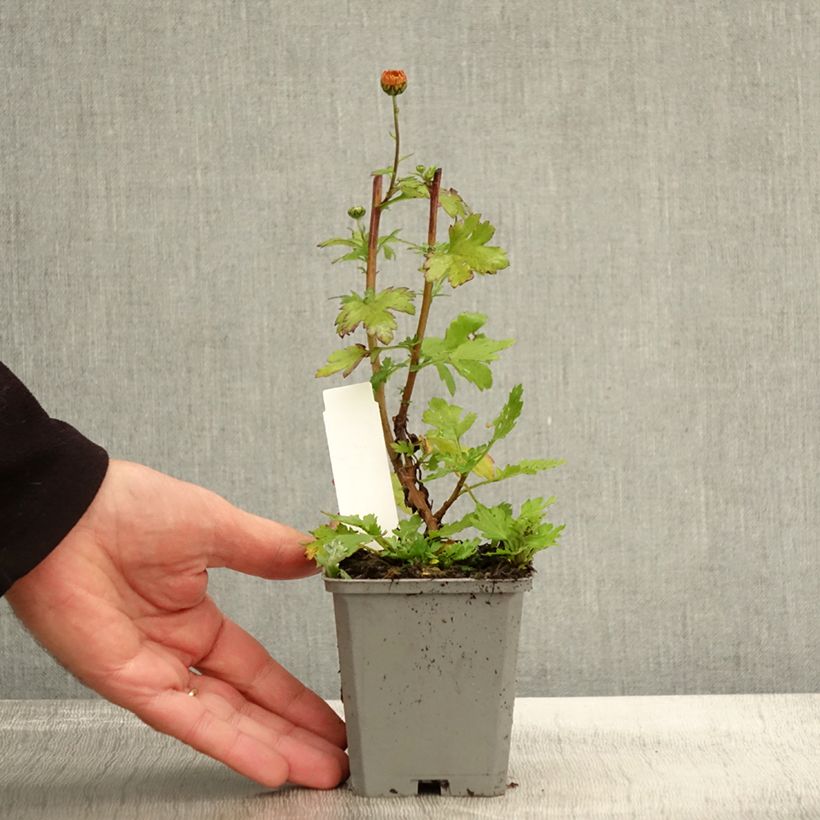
pixel 167 169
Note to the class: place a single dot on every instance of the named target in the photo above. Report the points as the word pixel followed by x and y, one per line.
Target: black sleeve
pixel 49 475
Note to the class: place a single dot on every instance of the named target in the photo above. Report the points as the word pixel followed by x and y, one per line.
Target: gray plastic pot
pixel 428 682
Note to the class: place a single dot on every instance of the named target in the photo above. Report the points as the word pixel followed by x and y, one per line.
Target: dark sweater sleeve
pixel 49 475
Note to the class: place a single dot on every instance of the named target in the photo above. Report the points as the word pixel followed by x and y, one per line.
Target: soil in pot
pixel 369 565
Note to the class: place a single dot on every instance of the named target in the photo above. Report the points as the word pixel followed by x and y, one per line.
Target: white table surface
pixel 715 757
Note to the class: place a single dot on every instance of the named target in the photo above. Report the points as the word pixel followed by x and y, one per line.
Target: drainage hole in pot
pixel 434 786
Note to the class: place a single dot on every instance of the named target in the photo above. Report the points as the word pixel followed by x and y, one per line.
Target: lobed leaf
pixel 466 253
pixel 413 188
pixel 366 523
pixel 358 242
pixel 447 377
pixel 332 545
pixel 465 351
pixel 496 523
pixel 462 328
pixel 373 311
pixel 345 360
pixel 448 420
pixel 506 419
pixel 476 373
pixel 456 552
pixel 452 203
pixel 454 527
pixel 408 543
pixel 526 467
pixel 387 369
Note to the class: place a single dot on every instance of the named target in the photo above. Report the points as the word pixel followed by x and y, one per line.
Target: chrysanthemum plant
pixel 489 541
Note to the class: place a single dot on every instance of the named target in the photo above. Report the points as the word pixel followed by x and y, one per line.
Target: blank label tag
pixel 358 457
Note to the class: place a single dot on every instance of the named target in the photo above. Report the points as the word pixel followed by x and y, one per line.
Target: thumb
pixel 257 546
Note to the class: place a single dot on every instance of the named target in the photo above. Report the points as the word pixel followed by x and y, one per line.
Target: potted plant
pixel 428 613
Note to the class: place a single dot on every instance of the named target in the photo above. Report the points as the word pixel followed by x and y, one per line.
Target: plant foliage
pixel 446 444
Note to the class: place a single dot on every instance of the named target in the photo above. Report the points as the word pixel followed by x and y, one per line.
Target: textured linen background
pixel 168 168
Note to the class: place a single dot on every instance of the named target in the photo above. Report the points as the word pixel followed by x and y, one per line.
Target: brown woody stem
pixel 400 420
pixel 370 284
pixel 415 496
pixel 373 235
pixel 439 514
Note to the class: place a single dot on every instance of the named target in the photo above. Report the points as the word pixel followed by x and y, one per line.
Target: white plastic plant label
pixel 358 458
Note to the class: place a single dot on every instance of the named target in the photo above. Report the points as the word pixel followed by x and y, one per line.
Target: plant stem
pixel 392 186
pixel 439 514
pixel 416 493
pixel 373 235
pixel 400 420
pixel 372 347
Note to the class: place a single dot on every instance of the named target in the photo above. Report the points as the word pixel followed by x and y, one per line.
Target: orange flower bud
pixel 394 81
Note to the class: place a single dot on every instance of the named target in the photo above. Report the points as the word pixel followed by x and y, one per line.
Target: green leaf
pixel 358 242
pixel 464 350
pixel 387 369
pixel 398 493
pixel 367 523
pixel 388 169
pixel 452 203
pixel 413 188
pixel 526 467
pixel 403 447
pixel 506 419
pixel 475 372
pixel 447 419
pixel 447 456
pixel 373 310
pixel 454 527
pixel 456 552
pixel 408 544
pixel 441 445
pixel 453 458
pixel 496 523
pixel 466 253
pixel 408 527
pixel 462 328
pixel 525 535
pixel 532 511
pixel 485 468
pixel 450 267
pixel 345 360
pixel 480 349
pixel 332 545
pixel 447 377
pixel 337 240
pixel 384 244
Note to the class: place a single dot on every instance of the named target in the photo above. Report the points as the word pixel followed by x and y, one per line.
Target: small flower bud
pixel 356 212
pixel 419 169
pixel 394 81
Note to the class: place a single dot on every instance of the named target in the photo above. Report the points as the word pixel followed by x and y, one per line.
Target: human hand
pixel 122 603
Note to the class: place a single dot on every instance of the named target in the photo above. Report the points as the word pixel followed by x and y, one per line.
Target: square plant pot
pixel 428 682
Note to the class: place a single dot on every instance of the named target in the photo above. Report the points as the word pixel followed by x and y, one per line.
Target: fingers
pixel 256 546
pixel 312 760
pixel 243 662
pixel 187 719
pixel 211 725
